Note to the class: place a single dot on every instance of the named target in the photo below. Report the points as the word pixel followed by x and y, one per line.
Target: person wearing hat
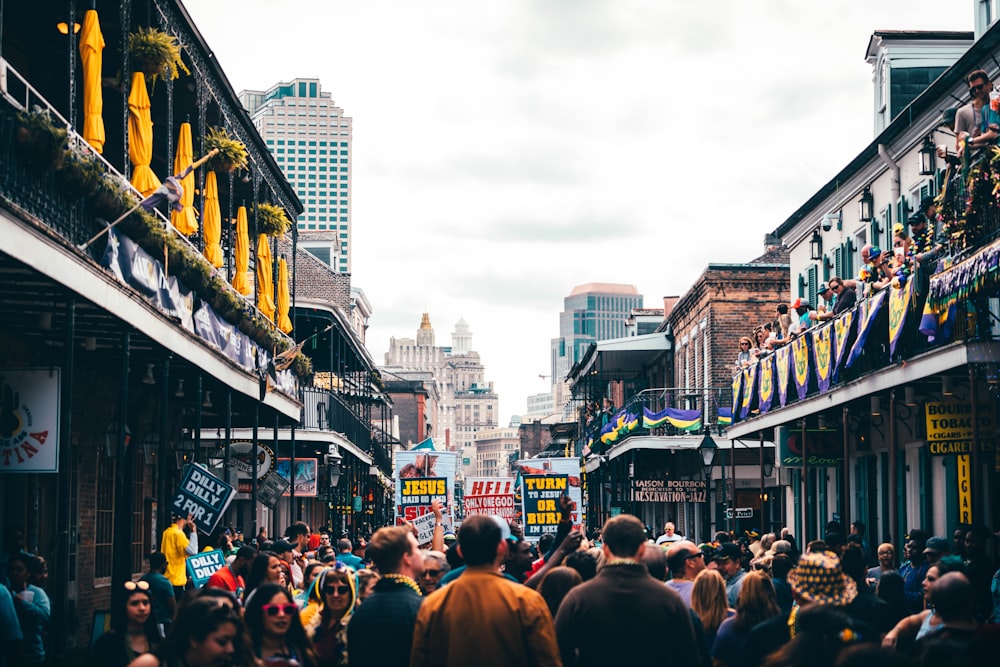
pixel 936 548
pixel 824 312
pixel 729 560
pixel 818 580
pixel 874 273
pixel 928 241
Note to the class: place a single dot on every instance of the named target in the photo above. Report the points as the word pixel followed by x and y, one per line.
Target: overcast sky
pixel 506 151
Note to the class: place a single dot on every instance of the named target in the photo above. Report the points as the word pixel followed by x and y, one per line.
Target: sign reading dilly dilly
pixel 202 496
pixel 202 566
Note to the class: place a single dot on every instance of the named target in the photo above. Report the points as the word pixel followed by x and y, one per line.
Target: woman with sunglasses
pixel 331 601
pixel 743 356
pixel 276 633
pixel 133 629
pixel 206 633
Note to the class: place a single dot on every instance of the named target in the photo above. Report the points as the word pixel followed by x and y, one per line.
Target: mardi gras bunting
pixel 685 420
pixel 782 363
pixel 822 345
pixel 800 362
pixel 725 416
pixel 737 395
pixel 899 305
pixel 842 330
pixel 749 390
pixel 867 310
pixel 765 392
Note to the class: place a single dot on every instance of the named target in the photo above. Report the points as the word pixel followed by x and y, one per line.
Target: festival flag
pixel 867 310
pixel 685 420
pixel 938 325
pixel 899 306
pixel 842 334
pixel 765 391
pixel 725 416
pixel 782 362
pixel 427 444
pixel 800 364
pixel 737 395
pixel 822 344
pixel 749 393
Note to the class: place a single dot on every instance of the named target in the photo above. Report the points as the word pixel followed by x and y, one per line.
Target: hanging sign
pixel 29 420
pixel 271 488
pixel 950 425
pixel 202 496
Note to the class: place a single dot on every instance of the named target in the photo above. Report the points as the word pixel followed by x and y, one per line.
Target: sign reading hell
pixel 417 494
pixel 541 501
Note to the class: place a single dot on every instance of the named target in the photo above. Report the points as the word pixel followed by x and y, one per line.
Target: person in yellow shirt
pixel 176 545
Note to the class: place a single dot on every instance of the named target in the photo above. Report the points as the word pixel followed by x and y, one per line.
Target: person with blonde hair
pixel 708 599
pixel 332 597
pixel 756 603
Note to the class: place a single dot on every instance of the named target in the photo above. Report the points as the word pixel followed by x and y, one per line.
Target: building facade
pixel 310 139
pixel 496 449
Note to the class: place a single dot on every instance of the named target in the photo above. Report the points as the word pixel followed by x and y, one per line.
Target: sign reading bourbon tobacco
pixel 668 491
pixel 950 427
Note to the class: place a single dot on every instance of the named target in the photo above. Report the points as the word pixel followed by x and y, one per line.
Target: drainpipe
pixel 883 153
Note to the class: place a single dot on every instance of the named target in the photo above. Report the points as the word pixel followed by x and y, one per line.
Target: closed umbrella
pixel 284 297
pixel 265 278
pixel 91 55
pixel 140 136
pixel 185 220
pixel 240 281
pixel 213 221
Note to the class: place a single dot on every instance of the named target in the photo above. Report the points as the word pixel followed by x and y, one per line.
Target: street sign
pixel 271 487
pixel 741 513
pixel 203 496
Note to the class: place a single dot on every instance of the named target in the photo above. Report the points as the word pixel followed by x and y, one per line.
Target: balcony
pixel 325 410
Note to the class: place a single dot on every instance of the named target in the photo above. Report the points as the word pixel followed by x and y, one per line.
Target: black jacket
pixel 380 633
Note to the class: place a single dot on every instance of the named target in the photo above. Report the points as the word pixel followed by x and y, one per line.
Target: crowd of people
pixel 486 596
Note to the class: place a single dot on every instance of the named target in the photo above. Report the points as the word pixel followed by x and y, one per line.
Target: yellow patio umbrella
pixel 140 136
pixel 213 221
pixel 185 220
pixel 91 55
pixel 284 297
pixel 242 259
pixel 265 278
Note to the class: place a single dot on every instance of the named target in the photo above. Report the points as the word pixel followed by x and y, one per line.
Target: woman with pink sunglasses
pixel 276 633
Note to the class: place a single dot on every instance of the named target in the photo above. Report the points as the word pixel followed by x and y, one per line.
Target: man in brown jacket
pixel 483 618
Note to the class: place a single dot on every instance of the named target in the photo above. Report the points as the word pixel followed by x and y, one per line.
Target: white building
pixel 495 449
pixel 310 138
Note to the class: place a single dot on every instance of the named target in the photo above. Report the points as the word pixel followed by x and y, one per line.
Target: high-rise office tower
pixel 310 138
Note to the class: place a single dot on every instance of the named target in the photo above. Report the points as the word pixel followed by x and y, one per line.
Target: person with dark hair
pixel 232 577
pixel 953 603
pixel 756 604
pixel 866 606
pixel 266 567
pixel 980 569
pixel 450 625
pixel 582 562
pixel 728 558
pixel 204 633
pixel 11 639
pixel 298 536
pixel 276 633
pixel 926 622
pixel 640 613
pixel 976 124
pixel 913 572
pixel 781 565
pixel 709 601
pixel 177 544
pixel 555 585
pixel 821 633
pixel 133 629
pixel 32 607
pixel 391 611
pixel 161 591
pixel 890 589
pixel 331 602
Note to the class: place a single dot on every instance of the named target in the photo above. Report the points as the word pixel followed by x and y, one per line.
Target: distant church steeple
pixel 425 334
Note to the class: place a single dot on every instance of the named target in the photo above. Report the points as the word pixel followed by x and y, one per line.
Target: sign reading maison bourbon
pixel 668 491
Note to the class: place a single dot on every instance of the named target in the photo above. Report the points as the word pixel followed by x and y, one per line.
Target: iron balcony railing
pixel 325 410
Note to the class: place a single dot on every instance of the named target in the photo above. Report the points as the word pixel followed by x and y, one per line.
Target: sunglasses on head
pixel 339 590
pixel 136 585
pixel 286 609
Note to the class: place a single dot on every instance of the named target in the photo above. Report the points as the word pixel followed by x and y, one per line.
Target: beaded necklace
pixel 621 561
pixel 403 580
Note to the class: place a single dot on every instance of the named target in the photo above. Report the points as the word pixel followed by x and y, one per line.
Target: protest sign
pixel 202 566
pixel 542 482
pixel 490 495
pixel 425 526
pixel 203 496
pixel 271 488
pixel 421 477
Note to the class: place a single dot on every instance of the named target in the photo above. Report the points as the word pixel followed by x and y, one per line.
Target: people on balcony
pixel 743 356
pixel 802 321
pixel 824 312
pixel 902 263
pixel 607 411
pixel 928 241
pixel 873 274
pixel 977 124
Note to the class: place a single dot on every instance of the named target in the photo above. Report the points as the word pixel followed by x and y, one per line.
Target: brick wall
pixel 317 281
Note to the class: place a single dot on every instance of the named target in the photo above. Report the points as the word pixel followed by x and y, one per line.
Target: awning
pixel 674 443
pixel 623 356
pixel 302 437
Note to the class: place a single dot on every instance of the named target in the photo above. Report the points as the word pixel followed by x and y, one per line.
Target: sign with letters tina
pixel 29 420
pixel 668 491
pixel 201 567
pixel 202 495
pixel 949 427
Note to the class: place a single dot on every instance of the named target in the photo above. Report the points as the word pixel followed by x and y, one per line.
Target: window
pixel 104 516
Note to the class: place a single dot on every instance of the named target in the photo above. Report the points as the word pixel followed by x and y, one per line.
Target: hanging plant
pixel 232 153
pixel 80 174
pixel 155 54
pixel 271 220
pixel 40 143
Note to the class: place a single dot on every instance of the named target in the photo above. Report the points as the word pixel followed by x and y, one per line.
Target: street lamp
pixel 708 449
pixel 927 154
pixel 816 247
pixel 866 205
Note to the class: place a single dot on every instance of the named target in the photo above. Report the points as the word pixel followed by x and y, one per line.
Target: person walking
pixel 639 613
pixel 133 629
pixel 482 618
pixel 391 610
pixel 176 546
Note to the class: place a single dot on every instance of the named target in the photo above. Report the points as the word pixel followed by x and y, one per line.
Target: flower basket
pixel 155 54
pixel 79 176
pixel 232 153
pixel 271 220
pixel 39 143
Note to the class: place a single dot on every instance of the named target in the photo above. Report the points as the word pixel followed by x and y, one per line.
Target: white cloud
pixel 505 152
